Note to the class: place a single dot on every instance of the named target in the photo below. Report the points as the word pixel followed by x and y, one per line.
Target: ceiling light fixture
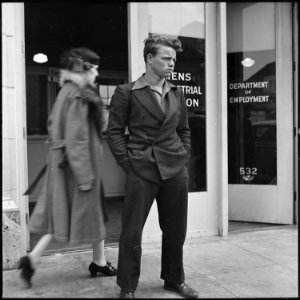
pixel 248 62
pixel 40 58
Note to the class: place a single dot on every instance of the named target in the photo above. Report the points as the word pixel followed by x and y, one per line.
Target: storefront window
pixel 251 93
pixel 185 21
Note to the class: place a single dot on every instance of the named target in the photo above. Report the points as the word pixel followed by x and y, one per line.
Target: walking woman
pixel 71 205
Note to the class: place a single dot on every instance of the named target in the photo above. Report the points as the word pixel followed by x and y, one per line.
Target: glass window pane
pixel 251 93
pixel 36 97
pixel 185 21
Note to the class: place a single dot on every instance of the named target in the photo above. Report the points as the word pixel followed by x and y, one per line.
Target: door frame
pixel 14 138
pixel 296 107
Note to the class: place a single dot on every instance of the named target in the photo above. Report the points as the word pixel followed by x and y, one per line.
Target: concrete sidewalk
pixel 254 264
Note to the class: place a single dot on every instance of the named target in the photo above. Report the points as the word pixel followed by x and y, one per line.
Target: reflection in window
pixel 185 21
pixel 251 94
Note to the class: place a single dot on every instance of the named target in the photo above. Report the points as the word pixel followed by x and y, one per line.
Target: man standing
pixel 155 160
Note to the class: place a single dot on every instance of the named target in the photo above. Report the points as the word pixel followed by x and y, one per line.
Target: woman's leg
pixel 99 263
pixel 40 247
pixel 98 253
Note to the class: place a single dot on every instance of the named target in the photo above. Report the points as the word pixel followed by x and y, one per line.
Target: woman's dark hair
pixel 79 59
pixel 152 44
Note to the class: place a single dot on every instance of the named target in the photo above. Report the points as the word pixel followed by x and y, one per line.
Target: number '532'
pixel 248 171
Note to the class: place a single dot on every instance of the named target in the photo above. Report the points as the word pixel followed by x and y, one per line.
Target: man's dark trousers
pixel 171 197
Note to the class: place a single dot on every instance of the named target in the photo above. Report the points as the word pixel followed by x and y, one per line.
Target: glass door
pixel 260 119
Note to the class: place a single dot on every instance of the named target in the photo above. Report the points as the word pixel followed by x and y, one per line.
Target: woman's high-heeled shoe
pixel 108 269
pixel 26 270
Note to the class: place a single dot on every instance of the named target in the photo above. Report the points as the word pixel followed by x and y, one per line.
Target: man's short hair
pixel 152 44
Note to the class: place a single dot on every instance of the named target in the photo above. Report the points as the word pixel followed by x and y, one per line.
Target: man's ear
pixel 149 58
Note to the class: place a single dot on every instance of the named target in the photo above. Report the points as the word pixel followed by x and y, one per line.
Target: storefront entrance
pixel 195 73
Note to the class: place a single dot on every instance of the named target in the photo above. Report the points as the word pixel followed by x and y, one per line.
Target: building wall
pixel 11 239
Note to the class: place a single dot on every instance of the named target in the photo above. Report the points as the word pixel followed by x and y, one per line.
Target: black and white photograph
pixel 150 149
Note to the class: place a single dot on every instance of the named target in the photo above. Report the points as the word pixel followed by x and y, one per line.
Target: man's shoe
pixel 125 294
pixel 182 289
